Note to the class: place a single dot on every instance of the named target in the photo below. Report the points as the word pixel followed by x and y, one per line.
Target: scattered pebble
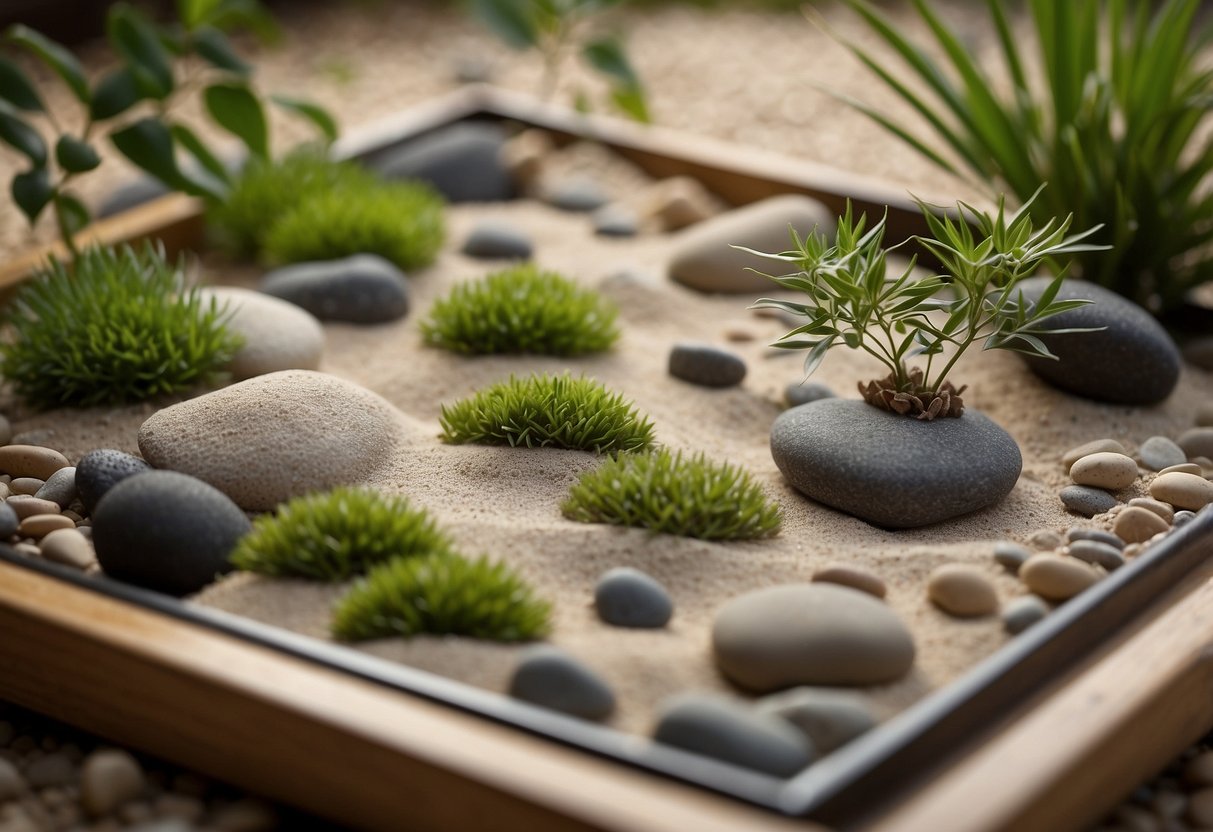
pixel 1021 613
pixel 796 394
pixel 853 577
pixel 108 779
pixel 1106 470
pixel 1087 501
pixel 60 488
pixel 724 730
pixel 1185 468
pixel 463 162
pixel 830 718
pixel 496 240
pixel 1182 518
pixel 1045 540
pixel 1159 452
pixel 1195 442
pixel 1100 554
pixel 31 461
pixel 1186 491
pixel 1078 533
pixel 38 526
pixel 1010 556
pixel 1095 446
pixel 27 485
pixel 26 506
pixel 706 365
pixel 551 678
pixel 626 597
pixel 102 469
pixel 361 289
pixel 962 591
pixel 615 220
pixel 1137 525
pixel 9 521
pixel 1055 578
pixel 1160 508
pixel 68 547
pixel 577 194
pixel 276 334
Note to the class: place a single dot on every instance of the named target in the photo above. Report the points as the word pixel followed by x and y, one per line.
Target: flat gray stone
pixel 1160 452
pixel 891 470
pixel 800 393
pixel 615 220
pixel 1197 442
pixel 727 731
pixel 60 488
pixel 1010 556
pixel 551 678
pixel 1079 533
pixel 810 634
pixel 706 365
pixel 1087 501
pixel 1100 554
pixel 829 718
pixel 1132 360
pixel 626 597
pixel 362 289
pixel 463 162
pixel 1021 613
pixel 494 240
pixel 578 194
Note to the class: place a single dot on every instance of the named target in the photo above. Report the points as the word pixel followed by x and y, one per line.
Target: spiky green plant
pixel 442 595
pixel 266 190
pixel 400 221
pixel 521 310
pixel 548 411
pixel 334 535
pixel 114 325
pixel 672 494
pixel 1116 124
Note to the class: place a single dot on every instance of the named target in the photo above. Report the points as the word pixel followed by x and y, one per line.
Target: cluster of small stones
pixel 1180 798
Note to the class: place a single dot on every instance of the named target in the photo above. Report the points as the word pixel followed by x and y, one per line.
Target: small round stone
pixel 275 334
pixel 551 678
pixel 1093 447
pixel 800 393
pixel 1137 525
pixel 40 525
pixel 679 202
pixel 69 547
pixel 1010 556
pixel 31 461
pixel 1045 540
pixel 1157 506
pixel 1056 578
pixel 706 365
pixel 26 485
pixel 108 779
pixel 626 597
pixel 1182 518
pixel 1021 613
pixel 1185 468
pixel 100 470
pixel 1100 554
pixel 1087 501
pixel 577 194
pixel 1107 470
pixel 60 488
pixel 845 575
pixel 615 220
pixel 1197 442
pixel 1079 533
pixel 962 591
pixel 1159 452
pixel 9 521
pixel 493 240
pixel 27 506
pixel 1186 491
pixel 724 730
pixel 830 718
pixel 362 289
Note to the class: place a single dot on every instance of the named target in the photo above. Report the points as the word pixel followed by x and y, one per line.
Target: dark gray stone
pixel 1197 442
pixel 724 730
pixel 1131 361
pixel 829 718
pixel 100 470
pixel 462 162
pixel 1087 501
pixel 549 677
pixel 362 289
pixel 1101 554
pixel 59 488
pixel 893 470
pixel 9 521
pixel 627 597
pixel 578 194
pixel 804 392
pixel 492 240
pixel 1010 556
pixel 616 221
pixel 1021 613
pixel 166 531
pixel 1099 535
pixel 1159 452
pixel 706 365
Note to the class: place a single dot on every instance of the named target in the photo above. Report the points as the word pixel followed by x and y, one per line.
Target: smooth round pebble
pixel 799 393
pixel 810 634
pixel 551 678
pixel 1107 470
pixel 1095 446
pixel 1157 506
pixel 1079 533
pixel 1159 452
pixel 40 525
pixel 26 506
pixel 27 485
pixel 1137 525
pixel 361 289
pixel 60 488
pixel 626 597
pixel 830 718
pixel 1020 613
pixel 1098 553
pixel 1045 540
pixel 493 240
pixel 464 162
pixel 962 591
pixel 1056 578
pixel 9 521
pixel 1182 518
pixel 1185 468
pixel 705 365
pixel 724 730
pixel 615 220
pixel 1087 501
pixel 576 194
pixel 108 779
pixel 276 334
pixel 1196 442
pixel 68 547
pixel 1010 556
pixel 31 461
pixel 1186 491
pixel 100 470
pixel 853 577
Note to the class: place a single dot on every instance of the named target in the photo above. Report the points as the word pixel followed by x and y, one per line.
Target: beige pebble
pixel 1097 446
pixel 40 525
pixel 1200 807
pixel 1137 525
pixel 1183 468
pixel 1045 540
pixel 1199 770
pixel 1182 490
pixel 31 461
pixel 25 485
pixel 1056 578
pixel 1132 550
pixel 962 590
pixel 1105 469
pixel 854 578
pixel 28 549
pixel 108 779
pixel 27 506
pixel 5 492
pixel 1160 508
pixel 69 547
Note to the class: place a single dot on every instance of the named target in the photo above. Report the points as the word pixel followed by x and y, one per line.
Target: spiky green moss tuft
pixel 400 221
pixel 266 190
pixel 672 494
pixel 337 534
pixel 521 310
pixel 114 325
pixel 548 411
pixel 442 595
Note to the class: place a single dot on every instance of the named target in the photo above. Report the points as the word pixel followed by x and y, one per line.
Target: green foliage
pixel 548 411
pixel 115 325
pixel 149 58
pixel 672 494
pixel 400 221
pixel 337 534
pixel 554 28
pixel 521 310
pixel 1116 125
pixel 442 595
pixel 852 301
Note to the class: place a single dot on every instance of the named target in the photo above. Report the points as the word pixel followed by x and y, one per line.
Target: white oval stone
pixel 277 335
pixel 1105 469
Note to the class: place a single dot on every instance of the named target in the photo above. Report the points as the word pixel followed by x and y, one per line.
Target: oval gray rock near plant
pixel 810 634
pixel 551 678
pixel 275 334
pixel 100 470
pixel 362 289
pixel 1132 360
pixel 892 470
pixel 724 730
pixel 804 392
pixel 706 365
pixel 493 240
pixel 627 597
pixel 1087 501
pixel 464 163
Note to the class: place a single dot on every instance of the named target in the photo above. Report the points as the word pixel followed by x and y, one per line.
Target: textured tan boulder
pixel 275 436
pixel 277 335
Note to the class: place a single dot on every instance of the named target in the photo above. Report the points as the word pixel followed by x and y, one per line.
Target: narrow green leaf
pixel 17 89
pixel 217 50
pixel 133 37
pixel 314 113
pixel 236 109
pixel 62 62
pixel 816 355
pixel 631 101
pixel 607 56
pixel 205 157
pixel 75 156
pixel 511 20
pixel 31 191
pixel 116 93
pixel 75 215
pixel 194 13
pixel 21 136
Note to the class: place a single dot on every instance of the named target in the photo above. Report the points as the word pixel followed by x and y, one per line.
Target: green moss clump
pixel 521 310
pixel 548 411
pixel 267 190
pixel 400 221
pixel 337 534
pixel 442 595
pixel 114 325
pixel 669 493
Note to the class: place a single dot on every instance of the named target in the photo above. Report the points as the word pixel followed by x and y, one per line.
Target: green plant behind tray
pixel 133 105
pixel 672 494
pixel 521 309
pixel 114 325
pixel 1116 124
pixel 442 595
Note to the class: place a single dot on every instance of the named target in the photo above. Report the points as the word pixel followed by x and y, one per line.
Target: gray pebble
pixel 1159 452
pixel 1101 554
pixel 627 597
pixel 549 677
pixel 1011 555
pixel 100 470
pixel 60 488
pixel 1021 613
pixel 830 718
pixel 718 728
pixel 804 392
pixel 464 162
pixel 9 521
pixel 1182 518
pixel 578 194
pixel 615 221
pixel 706 365
pixel 1087 501
pixel 361 289
pixel 492 240
pixel 1197 442
pixel 1079 533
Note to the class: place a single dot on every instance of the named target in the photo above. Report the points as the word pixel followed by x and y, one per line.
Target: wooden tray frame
pixel 382 746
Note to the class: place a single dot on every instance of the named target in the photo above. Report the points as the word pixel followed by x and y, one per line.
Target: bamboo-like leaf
pixel 62 62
